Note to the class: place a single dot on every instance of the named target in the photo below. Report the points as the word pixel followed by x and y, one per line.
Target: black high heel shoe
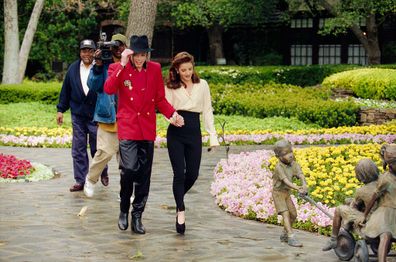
pixel 180 228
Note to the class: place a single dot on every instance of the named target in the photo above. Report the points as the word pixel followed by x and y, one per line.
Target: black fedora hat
pixel 139 44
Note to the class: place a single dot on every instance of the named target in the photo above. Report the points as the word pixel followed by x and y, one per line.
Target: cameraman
pixel 105 113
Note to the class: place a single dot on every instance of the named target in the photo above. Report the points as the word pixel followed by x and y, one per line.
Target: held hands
pixel 125 55
pixel 177 120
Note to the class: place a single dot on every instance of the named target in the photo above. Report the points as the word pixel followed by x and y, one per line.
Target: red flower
pixel 11 167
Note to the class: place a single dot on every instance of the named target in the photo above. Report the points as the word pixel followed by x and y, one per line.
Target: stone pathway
pixel 39 222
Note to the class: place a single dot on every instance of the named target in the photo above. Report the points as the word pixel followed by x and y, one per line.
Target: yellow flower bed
pixel 36 131
pixel 330 171
pixel 384 129
pixel 364 130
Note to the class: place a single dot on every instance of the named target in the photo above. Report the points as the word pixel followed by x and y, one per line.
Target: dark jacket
pixel 105 111
pixel 72 94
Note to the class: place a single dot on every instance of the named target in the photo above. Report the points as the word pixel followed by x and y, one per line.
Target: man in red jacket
pixel 140 89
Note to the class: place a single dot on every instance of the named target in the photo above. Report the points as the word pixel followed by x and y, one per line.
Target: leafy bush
pixel 371 83
pixel 29 91
pixel 295 75
pixel 310 105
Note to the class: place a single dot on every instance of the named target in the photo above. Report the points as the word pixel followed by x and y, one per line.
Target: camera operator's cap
pixel 87 43
pixel 139 44
pixel 119 37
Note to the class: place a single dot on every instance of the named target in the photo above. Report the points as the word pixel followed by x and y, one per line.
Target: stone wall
pixel 372 116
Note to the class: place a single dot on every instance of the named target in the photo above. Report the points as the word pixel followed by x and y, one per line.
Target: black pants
pixel 185 150
pixel 136 160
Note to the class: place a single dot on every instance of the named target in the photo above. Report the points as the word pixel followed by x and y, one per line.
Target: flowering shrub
pixel 11 167
pixel 371 103
pixel 373 83
pixel 243 183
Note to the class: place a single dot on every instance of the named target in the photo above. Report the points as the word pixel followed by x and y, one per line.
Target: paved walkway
pixel 39 222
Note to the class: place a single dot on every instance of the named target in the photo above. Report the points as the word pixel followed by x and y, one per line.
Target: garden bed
pixel 243 183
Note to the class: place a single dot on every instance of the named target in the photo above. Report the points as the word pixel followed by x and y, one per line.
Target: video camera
pixel 105 47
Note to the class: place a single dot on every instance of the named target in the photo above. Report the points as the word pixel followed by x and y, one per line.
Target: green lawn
pixel 35 114
pixel 32 114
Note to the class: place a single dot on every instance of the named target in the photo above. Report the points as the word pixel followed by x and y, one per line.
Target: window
pixel 357 55
pixel 322 22
pixel 301 54
pixel 301 23
pixel 329 54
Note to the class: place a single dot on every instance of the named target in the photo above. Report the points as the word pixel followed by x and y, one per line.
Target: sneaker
pixel 331 244
pixel 293 242
pixel 89 188
pixel 283 237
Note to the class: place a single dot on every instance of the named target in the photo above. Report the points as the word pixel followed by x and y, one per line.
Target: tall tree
pixel 15 58
pixel 348 14
pixel 218 15
pixel 11 40
pixel 141 19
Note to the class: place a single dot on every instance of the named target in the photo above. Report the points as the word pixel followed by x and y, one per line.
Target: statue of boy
pixel 285 170
pixel 346 215
pixel 382 222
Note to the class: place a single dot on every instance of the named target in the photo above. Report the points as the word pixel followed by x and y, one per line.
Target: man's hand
pixel 97 56
pixel 125 56
pixel 59 118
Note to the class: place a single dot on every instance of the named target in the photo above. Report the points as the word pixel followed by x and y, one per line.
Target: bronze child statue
pixel 382 222
pixel 285 170
pixel 346 215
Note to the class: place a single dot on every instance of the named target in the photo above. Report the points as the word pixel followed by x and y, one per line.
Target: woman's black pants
pixel 136 159
pixel 185 150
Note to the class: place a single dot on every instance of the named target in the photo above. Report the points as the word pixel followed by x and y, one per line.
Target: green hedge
pixel 310 105
pixel 371 83
pixel 30 92
pixel 294 75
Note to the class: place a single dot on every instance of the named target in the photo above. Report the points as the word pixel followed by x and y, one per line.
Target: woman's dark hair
pixel 173 80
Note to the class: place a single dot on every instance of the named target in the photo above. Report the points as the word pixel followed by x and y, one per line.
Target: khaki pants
pixel 107 146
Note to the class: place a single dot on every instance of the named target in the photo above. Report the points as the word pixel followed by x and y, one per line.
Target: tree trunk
pixel 28 38
pixel 373 50
pixel 141 19
pixel 215 35
pixel 11 42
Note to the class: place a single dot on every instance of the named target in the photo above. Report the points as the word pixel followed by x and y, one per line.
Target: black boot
pixel 123 221
pixel 137 225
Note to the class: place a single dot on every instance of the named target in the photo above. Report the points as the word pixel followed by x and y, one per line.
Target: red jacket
pixel 136 117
